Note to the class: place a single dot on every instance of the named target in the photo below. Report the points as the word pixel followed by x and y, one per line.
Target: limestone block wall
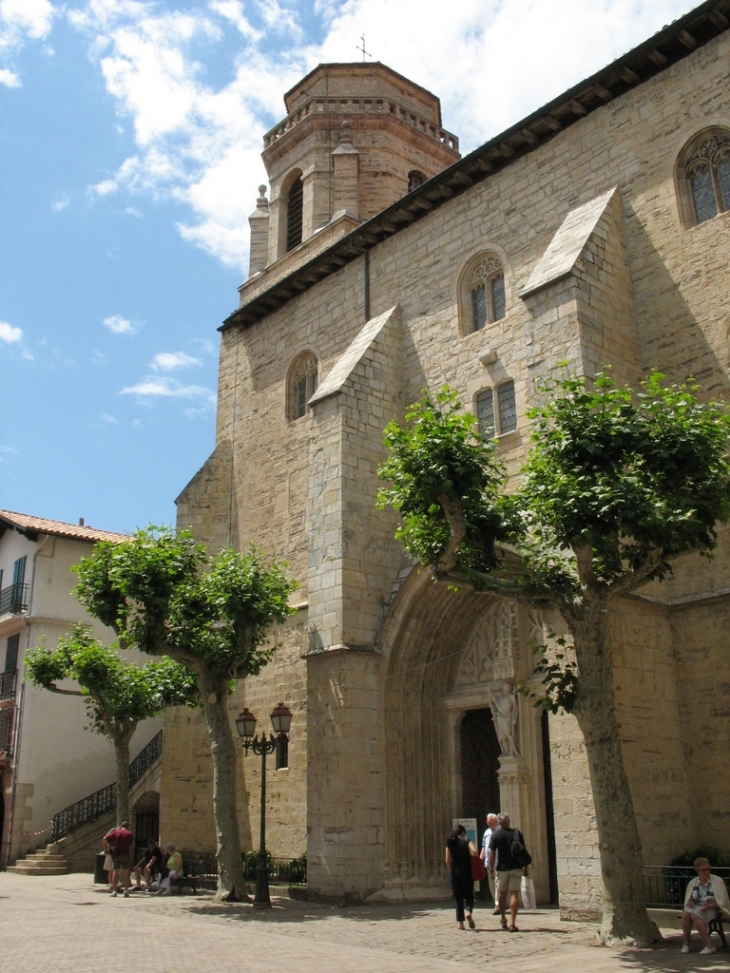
pixel 701 638
pixel 186 801
pixel 648 702
pixel 206 506
pixel 576 840
pixel 605 300
pixel 345 803
pixel 352 556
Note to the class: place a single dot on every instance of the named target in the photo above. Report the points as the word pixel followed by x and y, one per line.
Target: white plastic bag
pixel 527 891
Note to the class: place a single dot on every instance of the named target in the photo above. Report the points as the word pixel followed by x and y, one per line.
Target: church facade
pixel 596 232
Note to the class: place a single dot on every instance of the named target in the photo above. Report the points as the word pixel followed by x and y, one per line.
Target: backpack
pixel 521 857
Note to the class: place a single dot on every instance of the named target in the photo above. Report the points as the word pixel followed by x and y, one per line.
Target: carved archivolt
pixel 491 661
pixel 493 651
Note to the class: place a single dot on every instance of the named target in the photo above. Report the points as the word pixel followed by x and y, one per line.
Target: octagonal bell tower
pixel 356 138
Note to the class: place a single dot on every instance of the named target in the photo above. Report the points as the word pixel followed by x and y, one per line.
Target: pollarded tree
pixel 615 487
pixel 118 695
pixel 163 595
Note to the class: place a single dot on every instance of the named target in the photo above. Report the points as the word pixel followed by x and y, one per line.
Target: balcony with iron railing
pixel 14 599
pixel 8 681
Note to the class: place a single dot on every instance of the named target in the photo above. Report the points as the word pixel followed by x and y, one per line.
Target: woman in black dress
pixel 458 860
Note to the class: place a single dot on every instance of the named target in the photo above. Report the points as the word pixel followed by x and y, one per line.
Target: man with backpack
pixel 507 847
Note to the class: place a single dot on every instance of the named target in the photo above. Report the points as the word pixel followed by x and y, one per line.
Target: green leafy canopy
pixel 163 594
pixel 438 458
pixel 117 693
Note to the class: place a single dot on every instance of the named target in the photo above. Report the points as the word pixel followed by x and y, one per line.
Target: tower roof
pixel 339 79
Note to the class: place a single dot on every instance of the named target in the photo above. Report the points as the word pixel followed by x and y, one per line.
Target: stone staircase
pixel 41 862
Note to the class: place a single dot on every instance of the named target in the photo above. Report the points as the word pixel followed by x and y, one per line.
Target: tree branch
pixel 457 532
pixel 631 580
pixel 53 688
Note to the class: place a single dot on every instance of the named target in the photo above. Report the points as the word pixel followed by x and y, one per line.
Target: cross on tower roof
pixel 364 52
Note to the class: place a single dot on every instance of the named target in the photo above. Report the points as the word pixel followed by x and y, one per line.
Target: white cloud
pixel 277 18
pixel 491 62
pixel 118 325
pixel 21 21
pixel 32 17
pixel 60 203
pixel 10 334
pixel 7 451
pixel 166 388
pixel 110 420
pixel 9 78
pixel 167 361
pixel 232 11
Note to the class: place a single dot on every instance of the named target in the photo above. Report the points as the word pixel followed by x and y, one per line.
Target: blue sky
pixel 130 139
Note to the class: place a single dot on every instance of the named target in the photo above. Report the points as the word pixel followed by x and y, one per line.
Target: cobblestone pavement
pixel 65 923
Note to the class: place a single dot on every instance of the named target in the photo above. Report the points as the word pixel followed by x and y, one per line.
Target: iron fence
pixel 282 871
pixel 665 886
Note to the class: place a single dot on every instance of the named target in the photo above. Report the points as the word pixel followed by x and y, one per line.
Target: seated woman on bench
pixel 706 899
pixel 174 866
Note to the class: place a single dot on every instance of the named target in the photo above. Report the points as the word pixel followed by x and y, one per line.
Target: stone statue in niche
pixel 493 650
pixel 505 710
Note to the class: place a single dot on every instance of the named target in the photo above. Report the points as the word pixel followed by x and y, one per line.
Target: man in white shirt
pixel 492 825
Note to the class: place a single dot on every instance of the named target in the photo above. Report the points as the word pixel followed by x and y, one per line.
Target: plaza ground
pixel 58 923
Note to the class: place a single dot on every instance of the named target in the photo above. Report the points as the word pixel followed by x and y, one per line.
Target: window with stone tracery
pixel 703 176
pixel 482 294
pixel 301 385
pixel 497 413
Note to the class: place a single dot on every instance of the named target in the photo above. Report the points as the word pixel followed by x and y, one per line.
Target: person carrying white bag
pixel 527 891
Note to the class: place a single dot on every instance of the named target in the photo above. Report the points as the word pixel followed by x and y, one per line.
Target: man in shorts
pixel 508 875
pixel 149 865
pixel 120 840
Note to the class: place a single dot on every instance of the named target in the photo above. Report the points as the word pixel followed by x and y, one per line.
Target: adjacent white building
pixel 48 759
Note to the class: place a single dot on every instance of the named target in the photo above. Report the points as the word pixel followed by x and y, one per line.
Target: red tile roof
pixel 25 524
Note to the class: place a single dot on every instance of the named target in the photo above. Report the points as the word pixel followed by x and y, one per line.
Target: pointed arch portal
pixel 457 734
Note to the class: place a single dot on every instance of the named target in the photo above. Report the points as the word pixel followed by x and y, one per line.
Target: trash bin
pixel 100 876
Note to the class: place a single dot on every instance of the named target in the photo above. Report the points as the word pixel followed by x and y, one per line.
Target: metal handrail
pixel 145 758
pixel 99 803
pixel 14 599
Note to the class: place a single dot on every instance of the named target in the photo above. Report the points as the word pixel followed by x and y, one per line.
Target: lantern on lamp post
pixel 246 725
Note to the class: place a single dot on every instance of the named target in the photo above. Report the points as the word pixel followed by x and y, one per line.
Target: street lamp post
pixel 246 725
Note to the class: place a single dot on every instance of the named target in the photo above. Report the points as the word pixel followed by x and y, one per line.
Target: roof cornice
pixel 649 59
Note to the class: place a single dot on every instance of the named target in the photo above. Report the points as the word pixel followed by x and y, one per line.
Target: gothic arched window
pixel 497 414
pixel 703 176
pixel 481 292
pixel 301 385
pixel 294 214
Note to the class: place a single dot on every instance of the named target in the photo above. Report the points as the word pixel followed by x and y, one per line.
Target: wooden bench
pixel 189 879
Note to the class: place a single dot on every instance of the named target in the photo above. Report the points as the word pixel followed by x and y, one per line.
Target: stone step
pixel 33 868
pixel 44 856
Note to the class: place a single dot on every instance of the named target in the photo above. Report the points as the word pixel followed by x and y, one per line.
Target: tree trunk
pixel 214 696
pixel 121 739
pixel 625 918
